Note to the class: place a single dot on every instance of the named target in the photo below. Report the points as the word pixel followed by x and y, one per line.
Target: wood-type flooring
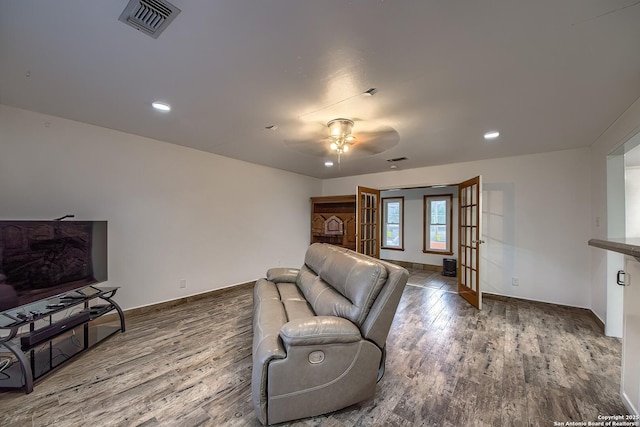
pixel 515 363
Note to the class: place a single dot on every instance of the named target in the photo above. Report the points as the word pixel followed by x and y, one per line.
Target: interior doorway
pixel 415 240
pixel 425 242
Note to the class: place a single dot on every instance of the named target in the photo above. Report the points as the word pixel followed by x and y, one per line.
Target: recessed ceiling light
pixel 161 106
pixel 492 134
pixel 393 167
pixel 328 163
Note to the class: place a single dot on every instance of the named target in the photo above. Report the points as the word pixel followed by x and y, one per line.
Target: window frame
pixel 426 226
pixel 383 228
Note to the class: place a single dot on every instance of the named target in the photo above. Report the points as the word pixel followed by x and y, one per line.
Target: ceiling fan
pixel 338 137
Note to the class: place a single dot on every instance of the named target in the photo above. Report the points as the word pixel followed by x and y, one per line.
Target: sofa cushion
pixel 315 256
pixel 340 283
pixel 295 305
pixel 280 274
pixel 306 279
pixel 357 278
pixel 319 330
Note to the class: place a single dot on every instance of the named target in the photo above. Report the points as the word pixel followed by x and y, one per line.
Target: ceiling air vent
pixel 397 159
pixel 149 16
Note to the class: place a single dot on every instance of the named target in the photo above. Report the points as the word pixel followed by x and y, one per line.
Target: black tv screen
pixel 39 259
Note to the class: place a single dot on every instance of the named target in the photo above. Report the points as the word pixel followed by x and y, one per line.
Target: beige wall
pixel 174 213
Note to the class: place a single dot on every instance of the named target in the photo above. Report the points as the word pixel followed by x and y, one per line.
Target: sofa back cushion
pixel 340 283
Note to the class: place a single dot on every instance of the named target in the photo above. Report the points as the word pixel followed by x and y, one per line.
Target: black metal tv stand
pixel 71 329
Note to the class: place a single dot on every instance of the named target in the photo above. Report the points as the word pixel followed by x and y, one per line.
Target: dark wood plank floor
pixel 515 363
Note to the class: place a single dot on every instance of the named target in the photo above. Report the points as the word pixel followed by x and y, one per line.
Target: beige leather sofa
pixel 319 332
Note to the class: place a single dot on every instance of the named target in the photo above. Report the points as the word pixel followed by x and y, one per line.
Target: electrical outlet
pixel 515 281
pixel 183 283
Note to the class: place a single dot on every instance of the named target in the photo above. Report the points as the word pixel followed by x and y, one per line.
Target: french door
pixel 367 221
pixel 469 233
pixel 469 240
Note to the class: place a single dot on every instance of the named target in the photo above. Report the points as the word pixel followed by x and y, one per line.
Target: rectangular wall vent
pixel 149 16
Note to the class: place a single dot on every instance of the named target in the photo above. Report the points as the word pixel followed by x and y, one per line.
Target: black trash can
pixel 449 267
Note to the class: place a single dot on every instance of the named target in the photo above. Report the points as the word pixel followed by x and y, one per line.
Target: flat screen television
pixel 40 259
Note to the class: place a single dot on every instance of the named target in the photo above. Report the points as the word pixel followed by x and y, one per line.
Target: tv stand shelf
pixel 72 328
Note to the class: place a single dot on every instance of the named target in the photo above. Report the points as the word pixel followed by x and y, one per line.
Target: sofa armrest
pixel 319 330
pixel 282 275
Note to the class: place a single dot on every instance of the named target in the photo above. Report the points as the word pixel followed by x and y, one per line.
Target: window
pixel 392 223
pixel 438 211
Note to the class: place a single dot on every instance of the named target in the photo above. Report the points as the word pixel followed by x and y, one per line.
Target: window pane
pixel 439 212
pixel 392 238
pixel 434 212
pixel 392 223
pixel 393 212
pixel 438 228
pixel 438 237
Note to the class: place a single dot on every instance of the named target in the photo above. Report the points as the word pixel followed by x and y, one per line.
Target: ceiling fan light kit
pixel 340 133
pixel 340 127
pixel 340 130
pixel 337 137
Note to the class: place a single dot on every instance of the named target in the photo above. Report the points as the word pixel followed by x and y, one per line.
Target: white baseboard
pixel 627 403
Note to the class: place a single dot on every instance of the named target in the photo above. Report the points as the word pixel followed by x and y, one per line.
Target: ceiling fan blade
pixel 307 130
pixel 376 142
pixel 311 147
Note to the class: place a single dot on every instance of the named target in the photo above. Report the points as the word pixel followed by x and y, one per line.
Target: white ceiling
pixel 548 74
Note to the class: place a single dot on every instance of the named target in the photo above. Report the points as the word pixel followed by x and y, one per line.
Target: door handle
pixel 477 242
pixel 620 278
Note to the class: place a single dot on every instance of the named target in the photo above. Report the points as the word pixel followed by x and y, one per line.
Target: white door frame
pixel 615 229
